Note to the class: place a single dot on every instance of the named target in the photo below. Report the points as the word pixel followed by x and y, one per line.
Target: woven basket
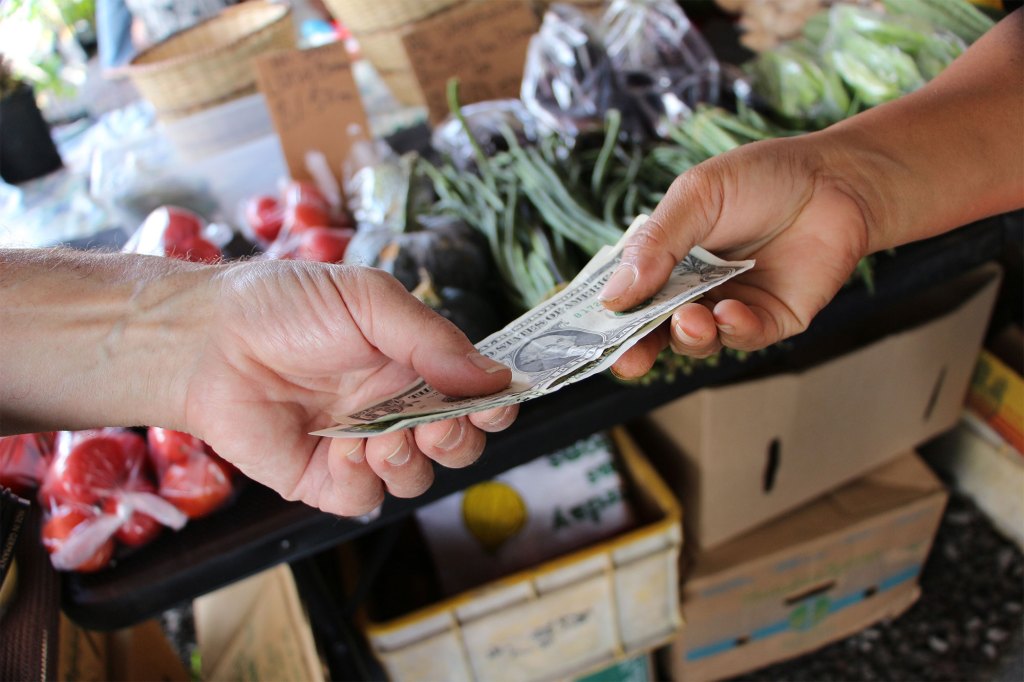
pixel 209 63
pixel 361 16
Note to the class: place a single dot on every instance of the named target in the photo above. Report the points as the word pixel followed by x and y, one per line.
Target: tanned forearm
pixel 91 340
pixel 946 155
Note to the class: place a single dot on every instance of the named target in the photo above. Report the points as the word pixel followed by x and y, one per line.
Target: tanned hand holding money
pixel 565 339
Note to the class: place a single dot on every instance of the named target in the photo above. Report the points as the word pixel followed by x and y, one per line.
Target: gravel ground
pixel 966 626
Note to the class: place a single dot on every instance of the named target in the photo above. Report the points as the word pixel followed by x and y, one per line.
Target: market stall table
pixel 262 530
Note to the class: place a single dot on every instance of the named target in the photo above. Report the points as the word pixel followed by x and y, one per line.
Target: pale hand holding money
pixel 565 339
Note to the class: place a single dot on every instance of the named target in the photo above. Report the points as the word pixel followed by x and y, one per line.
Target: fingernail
pixel 688 339
pixel 485 363
pixel 400 455
pixel 356 455
pixel 619 283
pixel 454 436
pixel 502 416
pixel 726 328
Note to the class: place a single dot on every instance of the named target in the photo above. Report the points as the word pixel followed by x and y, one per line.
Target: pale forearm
pixel 95 340
pixel 946 155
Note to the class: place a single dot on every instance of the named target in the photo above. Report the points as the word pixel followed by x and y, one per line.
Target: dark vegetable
pixel 474 314
pixel 453 253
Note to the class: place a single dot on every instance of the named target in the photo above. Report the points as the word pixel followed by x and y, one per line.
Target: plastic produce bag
pixel 24 460
pixel 179 233
pixel 97 492
pixel 488 123
pixel 663 63
pixel 794 82
pixel 309 228
pixel 931 47
pixel 874 72
pixel 568 79
pixel 190 474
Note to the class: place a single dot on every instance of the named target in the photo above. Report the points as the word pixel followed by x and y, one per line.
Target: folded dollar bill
pixel 565 339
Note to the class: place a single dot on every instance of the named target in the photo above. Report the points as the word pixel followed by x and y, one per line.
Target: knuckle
pixel 653 236
pixel 358 506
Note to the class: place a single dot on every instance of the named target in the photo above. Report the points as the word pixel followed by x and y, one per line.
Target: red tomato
pixel 304 192
pixel 177 225
pixel 324 244
pixel 134 448
pixel 92 470
pixel 167 447
pixel 139 529
pixel 24 460
pixel 63 523
pixel 305 216
pixel 196 488
pixel 195 249
pixel 265 216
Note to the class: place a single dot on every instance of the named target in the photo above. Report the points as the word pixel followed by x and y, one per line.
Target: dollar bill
pixel 567 338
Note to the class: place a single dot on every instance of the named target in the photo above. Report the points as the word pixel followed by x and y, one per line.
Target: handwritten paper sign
pixel 483 44
pixel 314 104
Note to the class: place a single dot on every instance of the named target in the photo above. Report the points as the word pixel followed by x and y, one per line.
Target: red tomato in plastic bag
pixel 323 244
pixel 195 249
pixel 135 450
pixel 265 217
pixel 24 460
pixel 179 224
pixel 304 217
pixel 168 447
pixel 198 487
pixel 63 523
pixel 304 192
pixel 93 469
pixel 139 529
pixel 305 207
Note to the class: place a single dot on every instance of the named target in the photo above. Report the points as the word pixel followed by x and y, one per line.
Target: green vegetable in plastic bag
pixel 874 73
pixel 957 16
pixel 798 86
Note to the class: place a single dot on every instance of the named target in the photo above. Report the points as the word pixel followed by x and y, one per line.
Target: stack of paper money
pixel 565 339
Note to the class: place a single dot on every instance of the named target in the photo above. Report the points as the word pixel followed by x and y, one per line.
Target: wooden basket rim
pixel 283 11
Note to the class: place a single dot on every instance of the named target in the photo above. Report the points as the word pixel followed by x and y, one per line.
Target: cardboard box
pixel 639 669
pixel 561 619
pixel 748 452
pixel 256 629
pixel 818 574
pixel 141 652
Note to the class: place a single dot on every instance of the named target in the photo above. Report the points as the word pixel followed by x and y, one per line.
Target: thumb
pixel 407 331
pixel 681 220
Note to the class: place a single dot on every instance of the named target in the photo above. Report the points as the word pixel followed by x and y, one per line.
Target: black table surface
pixel 261 529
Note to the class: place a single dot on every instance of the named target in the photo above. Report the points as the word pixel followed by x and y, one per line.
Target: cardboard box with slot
pixel 741 454
pixel 815 575
pixel 558 620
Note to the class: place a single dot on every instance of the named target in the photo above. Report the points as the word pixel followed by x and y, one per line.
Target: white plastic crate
pixel 565 617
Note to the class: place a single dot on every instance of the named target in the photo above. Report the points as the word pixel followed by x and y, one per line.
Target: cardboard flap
pixel 273 640
pixel 890 487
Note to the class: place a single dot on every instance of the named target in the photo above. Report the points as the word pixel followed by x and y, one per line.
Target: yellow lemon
pixel 493 512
